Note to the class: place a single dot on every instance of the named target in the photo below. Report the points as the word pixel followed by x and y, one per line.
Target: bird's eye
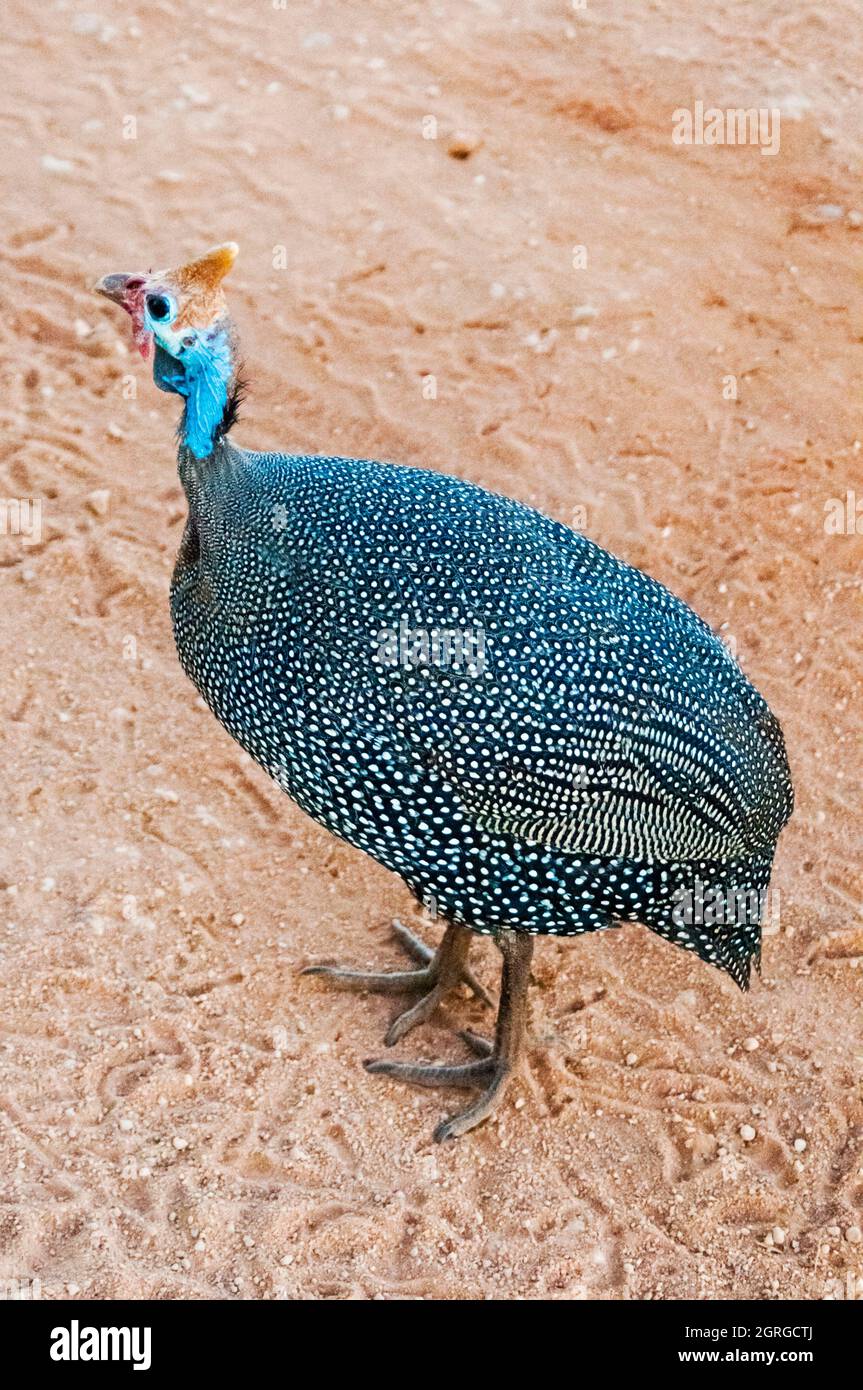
pixel 158 307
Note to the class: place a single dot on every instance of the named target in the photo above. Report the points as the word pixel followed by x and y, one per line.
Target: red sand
pixel 182 1116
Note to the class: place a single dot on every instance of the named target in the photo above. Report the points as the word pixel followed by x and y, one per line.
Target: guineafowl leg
pixel 499 1059
pixel 439 972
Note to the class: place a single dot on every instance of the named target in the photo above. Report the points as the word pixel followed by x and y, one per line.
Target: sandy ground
pixel 182 1116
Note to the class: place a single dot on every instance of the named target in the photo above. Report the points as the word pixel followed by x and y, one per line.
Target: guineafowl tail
pixel 716 910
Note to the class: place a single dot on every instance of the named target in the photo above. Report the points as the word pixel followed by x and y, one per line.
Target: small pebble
pixel 52 165
pixel 86 24
pixel 196 96
pixel 800 1145
pixel 819 215
pixel 854 1235
pixel 828 212
pixel 99 501
pixel 747 1133
pixel 462 145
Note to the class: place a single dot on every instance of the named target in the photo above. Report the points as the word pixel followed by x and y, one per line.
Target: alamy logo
pixel 450 648
pixel 20 1290
pixel 709 905
pixel 21 516
pixel 851 1288
pixel 77 1343
pixel 843 516
pixel 736 125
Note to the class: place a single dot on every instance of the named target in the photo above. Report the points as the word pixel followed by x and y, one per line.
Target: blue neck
pixel 202 375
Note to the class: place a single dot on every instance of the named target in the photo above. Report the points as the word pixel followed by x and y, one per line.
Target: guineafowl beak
pixel 128 291
pixel 115 287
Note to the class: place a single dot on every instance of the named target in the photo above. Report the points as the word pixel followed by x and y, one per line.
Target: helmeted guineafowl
pixel 539 739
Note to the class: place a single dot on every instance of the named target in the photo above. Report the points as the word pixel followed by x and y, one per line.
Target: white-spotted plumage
pixel 603 758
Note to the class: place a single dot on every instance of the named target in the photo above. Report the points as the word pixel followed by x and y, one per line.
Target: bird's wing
pixel 562 696
pixel 596 727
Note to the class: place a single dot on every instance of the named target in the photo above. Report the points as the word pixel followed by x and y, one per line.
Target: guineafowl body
pixel 538 738
pixel 603 755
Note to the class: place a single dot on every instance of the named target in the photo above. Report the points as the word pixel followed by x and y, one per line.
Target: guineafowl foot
pixel 440 971
pixel 498 1060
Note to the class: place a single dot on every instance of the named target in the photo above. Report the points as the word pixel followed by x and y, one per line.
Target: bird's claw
pixel 492 1072
pixel 425 954
pixel 438 972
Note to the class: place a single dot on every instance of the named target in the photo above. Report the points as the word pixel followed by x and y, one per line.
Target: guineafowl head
pixel 183 314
